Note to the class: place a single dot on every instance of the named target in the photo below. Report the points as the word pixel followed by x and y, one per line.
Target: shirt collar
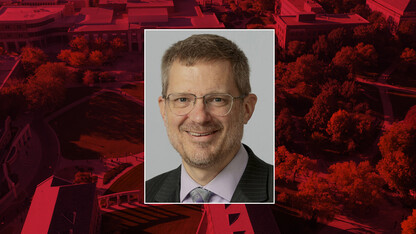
pixel 224 183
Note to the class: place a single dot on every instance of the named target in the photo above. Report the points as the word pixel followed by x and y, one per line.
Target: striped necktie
pixel 200 195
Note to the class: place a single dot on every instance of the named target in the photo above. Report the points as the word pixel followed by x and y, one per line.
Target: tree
pixel 78 59
pixel 346 58
pixel 315 199
pixel 338 38
pixel 97 58
pixel 366 56
pixel 356 186
pixel 398 163
pixel 296 48
pixel 44 92
pixel 89 78
pixel 362 10
pixel 411 116
pixel 289 165
pixel 117 44
pixel 340 127
pixel 407 33
pixel 320 47
pixel 307 68
pixel 64 55
pixel 409 225
pixel 32 58
pixel 407 60
pixel 408 55
pixel 85 178
pixel 284 128
pixel 324 105
pixel 99 44
pixel 55 70
pixel 79 43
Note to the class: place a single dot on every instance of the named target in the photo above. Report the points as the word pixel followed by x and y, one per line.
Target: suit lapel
pixel 253 185
pixel 169 189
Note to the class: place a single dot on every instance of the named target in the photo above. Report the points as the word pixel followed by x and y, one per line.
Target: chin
pixel 201 159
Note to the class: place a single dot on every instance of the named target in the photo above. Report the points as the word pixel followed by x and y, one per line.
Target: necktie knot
pixel 200 195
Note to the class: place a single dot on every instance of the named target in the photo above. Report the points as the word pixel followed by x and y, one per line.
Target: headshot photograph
pixel 209 116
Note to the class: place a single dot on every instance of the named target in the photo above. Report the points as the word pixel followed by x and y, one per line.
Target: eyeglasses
pixel 218 104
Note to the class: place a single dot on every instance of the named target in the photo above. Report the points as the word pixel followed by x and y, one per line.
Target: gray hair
pixel 208 48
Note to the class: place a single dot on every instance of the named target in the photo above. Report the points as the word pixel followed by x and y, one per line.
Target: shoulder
pixel 255 161
pixel 163 185
pixel 256 184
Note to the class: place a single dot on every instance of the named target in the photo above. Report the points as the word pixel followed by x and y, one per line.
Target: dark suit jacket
pixel 255 185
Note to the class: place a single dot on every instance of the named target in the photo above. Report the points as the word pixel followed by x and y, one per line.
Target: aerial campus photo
pixel 72 116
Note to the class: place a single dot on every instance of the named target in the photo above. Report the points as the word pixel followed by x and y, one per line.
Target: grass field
pixel 132 180
pixel 135 90
pixel 153 219
pixel 105 126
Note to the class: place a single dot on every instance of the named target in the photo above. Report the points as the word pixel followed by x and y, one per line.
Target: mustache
pixel 200 128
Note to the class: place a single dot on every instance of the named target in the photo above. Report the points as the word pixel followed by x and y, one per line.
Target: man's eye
pixel 218 99
pixel 182 99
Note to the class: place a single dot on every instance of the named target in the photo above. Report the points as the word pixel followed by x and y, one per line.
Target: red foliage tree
pixel 409 225
pixel 356 186
pixel 398 163
pixel 79 43
pixel 64 56
pixel 78 59
pixel 44 92
pixel 97 58
pixel 289 165
pixel 32 58
pixel 316 199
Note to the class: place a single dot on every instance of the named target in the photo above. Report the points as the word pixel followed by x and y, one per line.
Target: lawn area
pixel 401 103
pixel 153 219
pixel 135 90
pixel 105 126
pixel 132 180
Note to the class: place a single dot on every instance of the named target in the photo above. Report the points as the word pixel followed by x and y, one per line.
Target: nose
pixel 199 114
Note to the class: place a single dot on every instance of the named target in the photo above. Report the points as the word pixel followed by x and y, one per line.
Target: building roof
pixel 325 19
pixel 115 25
pixel 149 3
pixel 300 4
pixel 58 206
pixel 104 2
pixel 43 1
pixel 24 13
pixel 140 15
pixel 399 6
pixel 95 15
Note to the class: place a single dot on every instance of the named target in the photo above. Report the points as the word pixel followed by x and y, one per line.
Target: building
pixel 150 14
pixel 294 7
pixel 395 11
pixel 308 27
pixel 126 19
pixel 59 206
pixel 33 25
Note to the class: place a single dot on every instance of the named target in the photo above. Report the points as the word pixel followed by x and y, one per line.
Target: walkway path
pixel 383 89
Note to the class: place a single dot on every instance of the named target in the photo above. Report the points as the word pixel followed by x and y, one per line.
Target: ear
pixel 162 107
pixel 249 105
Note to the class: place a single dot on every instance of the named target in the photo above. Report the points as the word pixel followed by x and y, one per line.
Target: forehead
pixel 201 78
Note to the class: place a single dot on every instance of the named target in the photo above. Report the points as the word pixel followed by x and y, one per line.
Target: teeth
pixel 200 134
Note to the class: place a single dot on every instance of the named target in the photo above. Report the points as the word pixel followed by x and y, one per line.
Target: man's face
pixel 202 139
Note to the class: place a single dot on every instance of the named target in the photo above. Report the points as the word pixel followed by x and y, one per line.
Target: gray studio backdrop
pixel 258 45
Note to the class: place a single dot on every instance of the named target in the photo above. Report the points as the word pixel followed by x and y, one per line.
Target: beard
pixel 208 154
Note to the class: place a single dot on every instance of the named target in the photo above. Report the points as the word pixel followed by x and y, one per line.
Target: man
pixel 205 103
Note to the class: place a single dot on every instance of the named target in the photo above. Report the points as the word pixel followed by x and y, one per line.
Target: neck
pixel 204 175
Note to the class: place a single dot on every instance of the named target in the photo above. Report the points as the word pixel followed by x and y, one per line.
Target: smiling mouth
pixel 198 134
